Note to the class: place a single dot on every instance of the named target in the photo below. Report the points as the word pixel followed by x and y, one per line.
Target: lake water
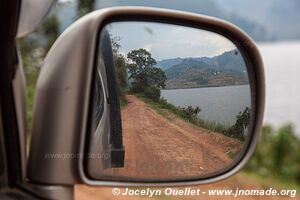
pixel 282 68
pixel 220 104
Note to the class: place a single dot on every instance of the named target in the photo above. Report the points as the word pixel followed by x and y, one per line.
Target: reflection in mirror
pixel 185 101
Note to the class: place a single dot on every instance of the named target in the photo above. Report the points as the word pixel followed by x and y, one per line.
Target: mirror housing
pixel 61 118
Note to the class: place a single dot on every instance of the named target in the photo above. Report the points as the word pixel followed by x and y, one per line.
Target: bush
pixel 189 112
pixel 137 88
pixel 241 124
pixel 277 154
pixel 153 93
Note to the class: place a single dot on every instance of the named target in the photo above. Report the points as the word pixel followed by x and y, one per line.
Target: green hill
pixel 222 70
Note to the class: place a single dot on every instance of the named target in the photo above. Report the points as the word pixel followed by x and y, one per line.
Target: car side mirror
pixel 137 96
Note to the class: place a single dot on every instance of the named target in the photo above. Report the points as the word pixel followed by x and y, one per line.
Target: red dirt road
pixel 157 147
pixel 160 147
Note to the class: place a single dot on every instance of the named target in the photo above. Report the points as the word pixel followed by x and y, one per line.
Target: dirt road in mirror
pixel 162 146
pixel 152 138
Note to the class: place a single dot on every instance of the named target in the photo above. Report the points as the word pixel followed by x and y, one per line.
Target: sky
pixel 165 41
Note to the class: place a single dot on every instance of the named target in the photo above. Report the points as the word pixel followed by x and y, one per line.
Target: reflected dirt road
pixel 167 147
pixel 144 140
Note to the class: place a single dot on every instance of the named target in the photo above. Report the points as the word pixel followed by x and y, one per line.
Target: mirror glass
pixel 185 102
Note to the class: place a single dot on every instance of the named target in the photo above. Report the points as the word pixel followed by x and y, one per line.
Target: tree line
pixel 137 73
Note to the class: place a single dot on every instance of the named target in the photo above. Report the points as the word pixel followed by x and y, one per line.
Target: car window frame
pixel 9 14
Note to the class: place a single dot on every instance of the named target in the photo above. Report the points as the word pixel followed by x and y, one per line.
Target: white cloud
pixel 170 41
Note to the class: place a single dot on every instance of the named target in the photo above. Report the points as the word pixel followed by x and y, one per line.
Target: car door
pixel 11 174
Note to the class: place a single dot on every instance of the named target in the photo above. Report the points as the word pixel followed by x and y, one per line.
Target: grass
pixel 213 126
pixel 29 112
pixel 123 102
pixel 161 106
pixel 267 182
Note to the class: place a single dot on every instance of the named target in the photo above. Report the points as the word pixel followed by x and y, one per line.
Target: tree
pixel 242 122
pixel 50 31
pixel 283 147
pixel 33 50
pixel 157 77
pixel 85 6
pixel 153 93
pixel 120 65
pixel 119 60
pixel 277 154
pixel 143 72
pixel 115 43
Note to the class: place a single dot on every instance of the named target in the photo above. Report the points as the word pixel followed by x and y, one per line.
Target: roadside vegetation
pixel 34 48
pixel 120 64
pixel 277 156
pixel 190 114
pixel 33 53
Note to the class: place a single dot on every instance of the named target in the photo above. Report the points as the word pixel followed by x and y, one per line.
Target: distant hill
pixel 280 18
pixel 165 64
pixel 205 7
pixel 67 12
pixel 225 69
pixel 230 60
pixel 262 20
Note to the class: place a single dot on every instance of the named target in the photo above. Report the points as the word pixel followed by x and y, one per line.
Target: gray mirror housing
pixel 64 87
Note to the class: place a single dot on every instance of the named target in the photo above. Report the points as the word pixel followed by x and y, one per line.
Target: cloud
pixel 169 41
